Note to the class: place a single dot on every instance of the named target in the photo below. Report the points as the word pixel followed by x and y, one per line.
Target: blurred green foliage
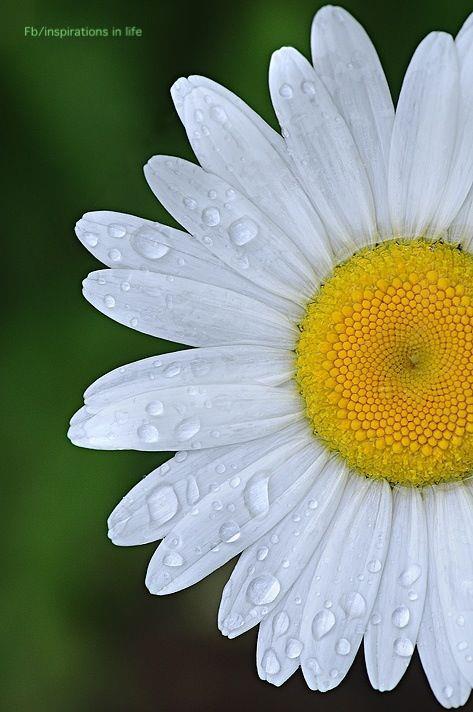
pixel 79 630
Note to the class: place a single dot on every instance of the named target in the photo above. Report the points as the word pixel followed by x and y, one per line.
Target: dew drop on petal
pixel 286 91
pixel 256 494
pixel 322 623
pixel 187 428
pixel 293 648
pixel 162 504
pixel 173 558
pixel 116 230
pixel 410 575
pixel 243 231
pixel 343 646
pixel 149 248
pixel 109 301
pixel 270 662
pixel 263 589
pixel 280 624
pixel 401 616
pixel 148 433
pixel 403 647
pixel 353 604
pixel 154 407
pixel 211 216
pixel 229 532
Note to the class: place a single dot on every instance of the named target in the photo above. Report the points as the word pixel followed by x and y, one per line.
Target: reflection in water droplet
pixel 229 532
pixel 263 589
pixel 256 494
pixel 242 231
pixel 162 504
pixel 401 616
pixel 403 647
pixel 323 622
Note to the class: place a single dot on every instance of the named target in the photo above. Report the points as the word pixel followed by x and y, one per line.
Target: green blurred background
pixel 79 630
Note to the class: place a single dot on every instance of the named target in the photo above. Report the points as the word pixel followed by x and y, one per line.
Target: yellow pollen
pixel 385 361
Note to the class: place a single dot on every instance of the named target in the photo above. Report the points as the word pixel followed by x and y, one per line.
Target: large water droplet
pixel 410 575
pixel 229 532
pixel 343 646
pixel 190 203
pixel 293 648
pixel 242 231
pixel 115 255
pixel 401 616
pixel 263 589
pixel 162 504
pixel 109 301
pixel 155 407
pixel 256 494
pixel 192 492
pixel 353 604
pixel 286 91
pixel 173 558
pixel 280 624
pixel 172 370
pixel 149 248
pixel 211 216
pixel 187 428
pixel 148 433
pixel 262 553
pixel 323 622
pixel 116 230
pixel 271 663
pixel 403 647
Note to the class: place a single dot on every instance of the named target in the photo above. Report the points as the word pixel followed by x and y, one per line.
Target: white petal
pixel 296 536
pixel 450 520
pixel 155 505
pixel 193 367
pixel 279 638
pixel 227 521
pixel 324 151
pixel 460 178
pixel 125 241
pixel 231 227
pixel 347 62
pixel 185 311
pixel 345 582
pixel 463 37
pixel 181 417
pixel 182 86
pixel 228 142
pixel 423 136
pixel 398 608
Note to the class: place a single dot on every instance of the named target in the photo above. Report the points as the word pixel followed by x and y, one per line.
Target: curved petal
pixel 226 522
pixel 345 582
pixel 324 151
pixel 280 643
pixel 125 241
pixel 447 683
pixel 347 62
pixel 423 138
pixel 181 417
pixel 162 498
pixel 392 632
pixel 296 537
pixel 186 311
pixel 193 367
pixel 228 142
pixel 231 227
pixel 449 511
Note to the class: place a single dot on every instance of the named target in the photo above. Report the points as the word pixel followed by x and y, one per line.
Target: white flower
pixel 325 420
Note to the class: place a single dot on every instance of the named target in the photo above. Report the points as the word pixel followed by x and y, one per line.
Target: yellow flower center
pixel 385 361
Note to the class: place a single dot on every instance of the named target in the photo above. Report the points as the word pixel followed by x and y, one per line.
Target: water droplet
pixel 155 407
pixel 116 230
pixel 115 255
pixel 262 553
pixel 256 495
pixel 401 616
pixel 462 645
pixel 263 589
pixel 229 532
pixel 233 622
pixel 410 575
pixel 190 203
pixel 133 322
pixel 148 433
pixel 242 231
pixel 293 648
pixel 109 301
pixel 375 619
pixel 412 595
pixel 286 91
pixel 162 504
pixel 218 114
pixel 173 558
pixel 323 622
pixel 448 691
pixel 280 624
pixel 374 566
pixel 353 604
pixel 313 504
pixel 125 286
pixel 460 621
pixel 211 216
pixel 403 647
pixel 91 239
pixel 313 665
pixel 181 456
pixel 149 248
pixel 271 663
pixel 192 492
pixel 343 646
pixel 230 193
pixel 308 88
pixel 172 370
pixel 198 116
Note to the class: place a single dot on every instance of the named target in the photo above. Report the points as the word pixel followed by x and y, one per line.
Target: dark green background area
pixel 79 631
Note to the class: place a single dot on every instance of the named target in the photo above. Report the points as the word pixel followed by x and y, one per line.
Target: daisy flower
pixel 324 423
